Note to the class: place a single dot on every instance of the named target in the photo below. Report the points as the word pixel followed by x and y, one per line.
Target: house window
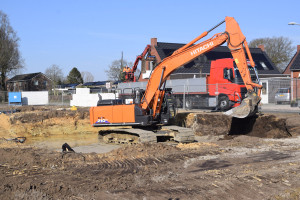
pixel 264 89
pixel 151 65
pixel 36 83
pixel 45 83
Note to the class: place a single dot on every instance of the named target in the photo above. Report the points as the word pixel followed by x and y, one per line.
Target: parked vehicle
pixel 283 95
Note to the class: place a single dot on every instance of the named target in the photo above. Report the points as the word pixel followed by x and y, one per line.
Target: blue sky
pixel 91 34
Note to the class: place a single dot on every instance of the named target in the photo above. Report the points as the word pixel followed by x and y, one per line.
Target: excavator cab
pixel 168 110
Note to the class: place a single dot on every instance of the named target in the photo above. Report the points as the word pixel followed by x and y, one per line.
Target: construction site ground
pixel 255 158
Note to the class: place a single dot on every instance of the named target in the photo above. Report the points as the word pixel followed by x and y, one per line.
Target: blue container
pixel 14 97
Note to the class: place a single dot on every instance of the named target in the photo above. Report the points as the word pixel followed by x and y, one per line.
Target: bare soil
pixel 263 125
pixel 227 162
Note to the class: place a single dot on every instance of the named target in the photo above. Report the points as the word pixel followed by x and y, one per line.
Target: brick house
pixel 29 82
pixel 293 69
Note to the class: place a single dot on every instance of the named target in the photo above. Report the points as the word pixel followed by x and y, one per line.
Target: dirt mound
pixel 185 119
pixel 196 145
pixel 293 123
pixel 266 126
pixel 39 116
pixel 211 124
pixel 5 125
pixel 141 150
pixel 45 123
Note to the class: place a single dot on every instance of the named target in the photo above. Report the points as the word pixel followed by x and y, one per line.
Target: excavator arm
pixel 236 42
pixel 129 75
pixel 140 57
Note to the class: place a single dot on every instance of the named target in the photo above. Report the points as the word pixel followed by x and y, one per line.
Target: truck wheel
pixel 188 104
pixel 223 103
pixel 178 103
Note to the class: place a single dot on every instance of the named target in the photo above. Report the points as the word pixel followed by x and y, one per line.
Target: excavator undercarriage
pixel 138 135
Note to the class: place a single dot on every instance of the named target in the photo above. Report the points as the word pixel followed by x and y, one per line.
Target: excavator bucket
pixel 247 108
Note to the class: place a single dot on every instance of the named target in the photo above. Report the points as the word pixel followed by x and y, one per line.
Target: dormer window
pixel 263 65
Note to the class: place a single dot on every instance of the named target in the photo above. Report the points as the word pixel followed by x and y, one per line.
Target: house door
pixel 265 92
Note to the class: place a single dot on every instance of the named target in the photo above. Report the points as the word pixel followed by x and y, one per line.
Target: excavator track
pixel 136 135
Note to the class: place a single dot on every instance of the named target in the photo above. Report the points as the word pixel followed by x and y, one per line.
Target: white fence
pixel 35 98
pixel 84 98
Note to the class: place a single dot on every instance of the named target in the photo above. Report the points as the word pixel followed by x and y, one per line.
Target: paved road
pixel 268 108
pixel 278 108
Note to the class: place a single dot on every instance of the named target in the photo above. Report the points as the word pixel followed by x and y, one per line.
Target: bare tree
pixel 54 72
pixel 10 58
pixel 279 49
pixel 115 70
pixel 137 73
pixel 87 76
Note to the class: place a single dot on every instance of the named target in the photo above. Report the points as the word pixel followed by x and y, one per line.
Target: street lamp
pixel 294 23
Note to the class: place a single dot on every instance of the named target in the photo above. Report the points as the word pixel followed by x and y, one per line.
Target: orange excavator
pixel 129 72
pixel 150 106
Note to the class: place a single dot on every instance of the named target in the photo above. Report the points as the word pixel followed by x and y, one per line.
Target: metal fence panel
pixel 3 97
pixel 185 90
pixel 60 98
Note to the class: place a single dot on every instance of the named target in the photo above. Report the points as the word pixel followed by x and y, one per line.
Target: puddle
pixel 84 143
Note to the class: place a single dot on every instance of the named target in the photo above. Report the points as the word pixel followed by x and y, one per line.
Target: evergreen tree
pixel 74 76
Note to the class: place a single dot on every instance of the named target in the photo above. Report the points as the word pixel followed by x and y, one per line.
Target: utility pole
pixel 122 61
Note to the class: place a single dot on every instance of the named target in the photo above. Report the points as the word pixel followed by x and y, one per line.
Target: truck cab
pixel 225 82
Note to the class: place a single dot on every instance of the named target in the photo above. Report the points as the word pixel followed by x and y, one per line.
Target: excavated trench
pixel 44 123
pixel 47 127
pixel 264 126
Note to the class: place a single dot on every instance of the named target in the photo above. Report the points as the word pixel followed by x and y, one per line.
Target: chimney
pixel 262 47
pixel 153 42
pixel 298 48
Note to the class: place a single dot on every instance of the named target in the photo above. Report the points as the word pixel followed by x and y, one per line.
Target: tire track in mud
pixel 130 165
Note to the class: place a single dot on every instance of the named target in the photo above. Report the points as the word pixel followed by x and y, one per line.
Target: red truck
pixel 224 87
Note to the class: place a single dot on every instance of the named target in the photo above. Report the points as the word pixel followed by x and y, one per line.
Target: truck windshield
pixel 238 78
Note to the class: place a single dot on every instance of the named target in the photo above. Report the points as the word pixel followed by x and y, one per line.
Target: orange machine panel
pixel 112 114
